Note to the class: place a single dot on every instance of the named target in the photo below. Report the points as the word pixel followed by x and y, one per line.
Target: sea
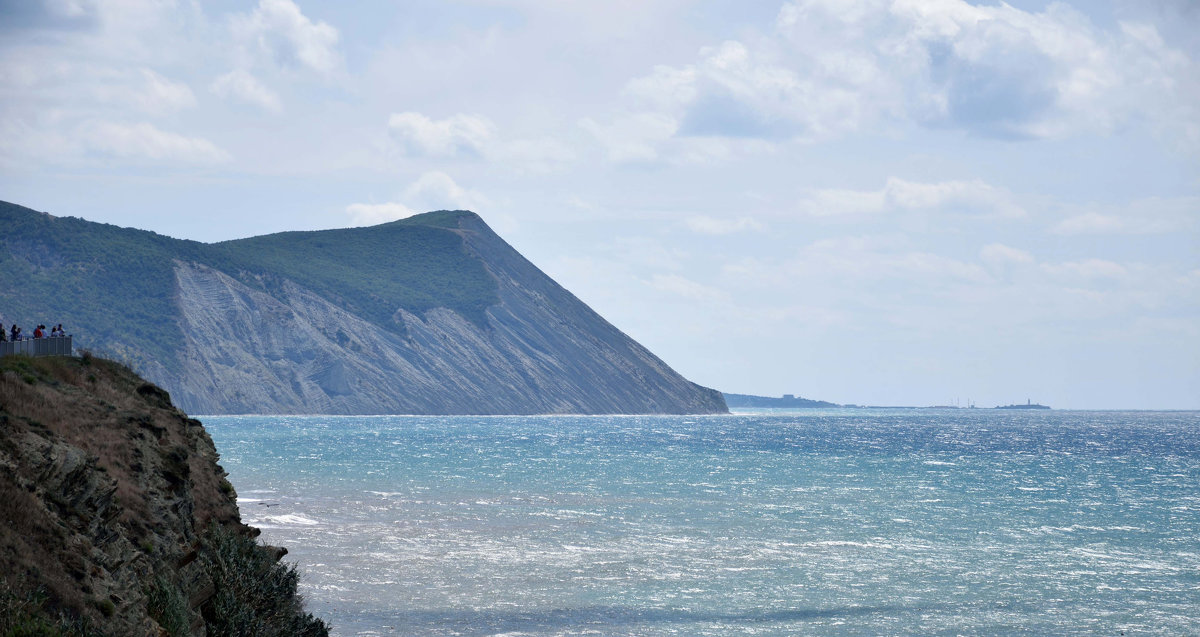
pixel 814 522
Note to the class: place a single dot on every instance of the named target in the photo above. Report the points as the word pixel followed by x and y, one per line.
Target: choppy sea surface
pixel 839 522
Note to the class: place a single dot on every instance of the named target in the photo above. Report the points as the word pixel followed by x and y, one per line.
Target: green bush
pixel 255 594
pixel 166 605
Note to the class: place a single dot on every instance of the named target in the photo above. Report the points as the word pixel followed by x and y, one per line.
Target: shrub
pixel 166 605
pixel 255 594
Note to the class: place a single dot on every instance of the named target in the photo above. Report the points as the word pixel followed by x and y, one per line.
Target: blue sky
pixel 869 201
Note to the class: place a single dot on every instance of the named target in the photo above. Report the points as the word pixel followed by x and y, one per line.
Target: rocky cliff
pixel 115 518
pixel 434 314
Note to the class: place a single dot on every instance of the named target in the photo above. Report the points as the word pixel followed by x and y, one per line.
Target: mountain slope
pixel 433 315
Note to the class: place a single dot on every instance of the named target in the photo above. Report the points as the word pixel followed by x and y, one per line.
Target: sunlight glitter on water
pixel 835 523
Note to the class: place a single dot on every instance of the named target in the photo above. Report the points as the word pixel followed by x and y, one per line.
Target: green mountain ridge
pixel 96 267
pixel 430 314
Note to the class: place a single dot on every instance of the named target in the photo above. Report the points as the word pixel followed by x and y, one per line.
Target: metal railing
pixel 54 346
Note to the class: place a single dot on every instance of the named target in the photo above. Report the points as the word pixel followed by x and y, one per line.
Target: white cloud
pixel 888 279
pixel 468 135
pixel 459 134
pixel 646 253
pixel 665 89
pixel 279 30
pixel 1155 215
pixel 966 196
pixel 992 70
pixel 838 202
pixel 634 138
pixel 1000 255
pixel 161 95
pixel 740 93
pixel 836 67
pixel 362 214
pixel 713 226
pixel 1087 271
pixel 1092 223
pixel 874 258
pixel 431 191
pixel 145 141
pixel 70 8
pixel 733 91
pixel 78 85
pixel 436 190
pixel 240 85
pixel 532 155
pixel 680 286
pixel 971 197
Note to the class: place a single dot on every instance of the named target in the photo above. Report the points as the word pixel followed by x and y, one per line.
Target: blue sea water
pixel 839 522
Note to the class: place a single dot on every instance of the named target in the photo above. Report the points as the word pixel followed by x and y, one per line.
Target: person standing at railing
pixel 16 333
pixel 37 331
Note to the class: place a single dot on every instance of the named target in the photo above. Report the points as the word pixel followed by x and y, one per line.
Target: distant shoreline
pixel 790 401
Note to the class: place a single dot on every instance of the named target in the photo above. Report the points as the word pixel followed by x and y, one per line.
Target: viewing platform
pixel 51 346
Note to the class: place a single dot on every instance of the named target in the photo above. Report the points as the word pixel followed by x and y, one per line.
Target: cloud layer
pixel 832 68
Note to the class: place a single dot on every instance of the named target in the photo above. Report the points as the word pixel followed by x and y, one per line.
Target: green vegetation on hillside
pixel 415 264
pixel 114 288
pixel 105 284
pixel 255 594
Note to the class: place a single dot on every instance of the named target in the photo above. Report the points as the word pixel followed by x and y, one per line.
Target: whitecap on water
pixel 291 518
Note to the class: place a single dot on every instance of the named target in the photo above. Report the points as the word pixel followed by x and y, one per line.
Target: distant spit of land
pixel 791 401
pixel 787 401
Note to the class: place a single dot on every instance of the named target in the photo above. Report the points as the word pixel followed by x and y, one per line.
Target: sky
pixel 881 202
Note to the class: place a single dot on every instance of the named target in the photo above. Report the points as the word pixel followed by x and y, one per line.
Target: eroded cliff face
pixel 433 314
pixel 107 496
pixel 539 350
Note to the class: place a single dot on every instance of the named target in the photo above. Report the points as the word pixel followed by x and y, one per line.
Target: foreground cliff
pixel 434 314
pixel 115 518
